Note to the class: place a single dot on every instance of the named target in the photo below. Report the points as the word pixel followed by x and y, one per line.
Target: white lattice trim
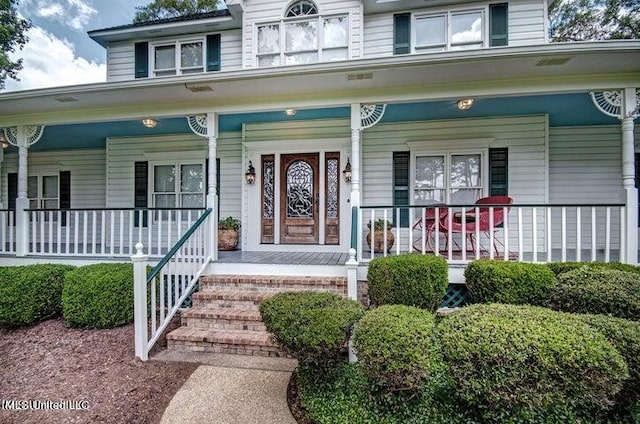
pixel 198 124
pixel 34 134
pixel 371 115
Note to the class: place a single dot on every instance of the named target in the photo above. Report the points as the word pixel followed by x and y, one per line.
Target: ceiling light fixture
pixel 465 104
pixel 149 123
pixel 290 111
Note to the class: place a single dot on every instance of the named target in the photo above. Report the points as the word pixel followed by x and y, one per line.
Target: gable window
pixel 178 58
pixel 303 36
pixel 449 31
pixel 448 178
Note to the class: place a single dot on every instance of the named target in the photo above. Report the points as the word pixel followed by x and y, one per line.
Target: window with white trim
pixel 448 178
pixel 302 36
pixel 178 185
pixel 178 58
pixel 449 30
pixel 43 192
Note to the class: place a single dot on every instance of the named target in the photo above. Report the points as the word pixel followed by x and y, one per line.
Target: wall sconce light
pixel 465 104
pixel 3 139
pixel 290 111
pixel 149 123
pixel 347 172
pixel 250 175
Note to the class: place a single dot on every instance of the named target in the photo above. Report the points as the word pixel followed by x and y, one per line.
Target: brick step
pixel 223 319
pixel 272 283
pixel 257 343
pixel 248 300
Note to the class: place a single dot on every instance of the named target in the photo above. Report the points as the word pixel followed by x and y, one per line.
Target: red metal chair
pixel 427 221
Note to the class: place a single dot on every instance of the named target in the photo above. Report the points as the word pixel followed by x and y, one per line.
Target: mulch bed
pixel 49 362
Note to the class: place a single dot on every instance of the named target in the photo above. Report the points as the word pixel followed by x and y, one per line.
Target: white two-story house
pixel 308 119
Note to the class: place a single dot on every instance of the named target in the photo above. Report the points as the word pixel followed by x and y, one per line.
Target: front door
pixel 299 197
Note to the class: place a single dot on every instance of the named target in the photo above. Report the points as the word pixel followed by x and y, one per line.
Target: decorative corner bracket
pixel 33 134
pixel 198 124
pixel 611 103
pixel 370 115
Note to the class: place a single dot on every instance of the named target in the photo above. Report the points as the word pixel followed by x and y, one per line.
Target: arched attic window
pixel 301 8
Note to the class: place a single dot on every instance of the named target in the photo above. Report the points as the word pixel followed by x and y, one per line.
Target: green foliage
pixel 13 30
pixel 598 291
pixel 163 9
pixel 229 223
pixel 528 364
pixel 310 326
pixel 378 224
pixel 32 293
pixel 99 296
pixel 509 282
pixel 625 336
pixel 412 280
pixel 562 267
pixel 394 345
pixel 581 20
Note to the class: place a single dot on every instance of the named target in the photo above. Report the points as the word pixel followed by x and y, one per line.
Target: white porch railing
pixel 527 232
pixel 106 232
pixel 158 295
pixel 7 231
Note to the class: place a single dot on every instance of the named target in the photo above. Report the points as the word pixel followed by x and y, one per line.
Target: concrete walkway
pixel 224 395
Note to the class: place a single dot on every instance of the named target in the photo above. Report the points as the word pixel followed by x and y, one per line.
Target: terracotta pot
pixel 227 239
pixel 379 240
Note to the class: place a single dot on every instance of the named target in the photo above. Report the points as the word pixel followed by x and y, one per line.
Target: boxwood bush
pixel 99 296
pixel 395 347
pixel 509 282
pixel 562 267
pixel 32 293
pixel 520 361
pixel 310 326
pixel 598 291
pixel 412 280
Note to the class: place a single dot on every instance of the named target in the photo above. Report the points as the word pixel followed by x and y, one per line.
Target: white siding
pixel 526 22
pixel 378 30
pixel 87 169
pixel 262 11
pixel 231 55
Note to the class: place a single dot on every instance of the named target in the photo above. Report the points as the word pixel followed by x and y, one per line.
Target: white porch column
pixel 356 129
pixel 1 160
pixel 629 113
pixel 212 136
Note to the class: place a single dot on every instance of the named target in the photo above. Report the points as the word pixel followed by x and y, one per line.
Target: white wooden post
pixel 212 136
pixel 1 160
pixel 628 176
pixel 352 275
pixel 22 202
pixel 140 302
pixel 356 128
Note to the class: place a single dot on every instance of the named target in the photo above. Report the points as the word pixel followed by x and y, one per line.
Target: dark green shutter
pixel 65 194
pixel 213 52
pixel 499 172
pixel 12 190
pixel 498 25
pixel 142 60
pixel 401 186
pixel 402 33
pixel 141 181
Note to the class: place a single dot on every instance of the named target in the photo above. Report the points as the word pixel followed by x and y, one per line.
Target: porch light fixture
pixel 250 175
pixel 290 111
pixel 465 104
pixel 347 172
pixel 149 123
pixel 3 139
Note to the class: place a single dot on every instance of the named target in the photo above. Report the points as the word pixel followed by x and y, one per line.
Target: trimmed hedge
pixel 509 282
pixel 625 336
pixel 412 280
pixel 99 296
pixel 29 294
pixel 395 347
pixel 310 326
pixel 519 361
pixel 598 291
pixel 562 267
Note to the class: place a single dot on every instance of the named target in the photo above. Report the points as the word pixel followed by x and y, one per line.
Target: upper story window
pixel 303 36
pixel 178 58
pixel 449 31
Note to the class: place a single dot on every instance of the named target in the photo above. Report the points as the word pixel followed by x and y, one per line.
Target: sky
pixel 59 52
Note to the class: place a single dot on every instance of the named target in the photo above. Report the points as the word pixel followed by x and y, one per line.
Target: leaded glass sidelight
pixel 300 190
pixel 332 188
pixel 267 188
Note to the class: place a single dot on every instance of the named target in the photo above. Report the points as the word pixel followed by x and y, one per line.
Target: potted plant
pixel 228 233
pixel 378 228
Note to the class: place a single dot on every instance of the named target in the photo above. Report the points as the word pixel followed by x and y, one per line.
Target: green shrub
pixel 562 267
pixel 310 326
pixel 395 348
pixel 32 293
pixel 509 282
pixel 99 296
pixel 521 361
pixel 598 291
pixel 412 280
pixel 624 335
